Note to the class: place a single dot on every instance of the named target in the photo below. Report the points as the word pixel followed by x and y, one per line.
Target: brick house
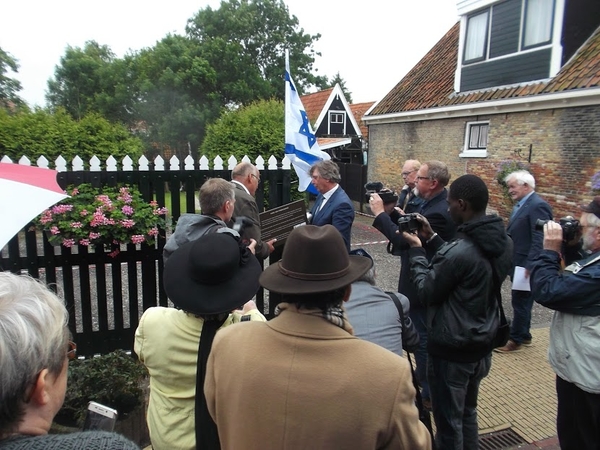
pixel 513 79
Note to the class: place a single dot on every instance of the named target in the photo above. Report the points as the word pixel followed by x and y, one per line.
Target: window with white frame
pixel 335 117
pixel 476 139
pixel 476 38
pixel 538 22
pixel 535 29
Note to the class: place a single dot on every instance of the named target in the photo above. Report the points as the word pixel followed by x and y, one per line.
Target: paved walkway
pixel 519 393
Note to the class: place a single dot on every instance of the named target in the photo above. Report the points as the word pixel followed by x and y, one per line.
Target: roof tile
pixel 430 83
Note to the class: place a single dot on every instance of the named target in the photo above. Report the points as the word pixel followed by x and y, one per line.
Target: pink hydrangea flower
pixel 76 225
pixel 68 242
pixel 127 210
pixel 54 230
pixel 128 223
pixel 85 242
pixel 137 238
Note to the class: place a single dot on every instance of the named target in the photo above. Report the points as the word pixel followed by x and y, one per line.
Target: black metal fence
pixel 106 295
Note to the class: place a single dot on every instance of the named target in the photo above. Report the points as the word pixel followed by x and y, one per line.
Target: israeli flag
pixel 301 145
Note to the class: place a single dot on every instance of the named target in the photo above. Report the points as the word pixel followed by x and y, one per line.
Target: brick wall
pixel 565 152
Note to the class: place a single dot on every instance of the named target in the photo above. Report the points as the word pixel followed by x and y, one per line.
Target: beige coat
pixel 300 382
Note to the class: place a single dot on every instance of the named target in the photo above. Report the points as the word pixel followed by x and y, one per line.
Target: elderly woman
pixel 34 352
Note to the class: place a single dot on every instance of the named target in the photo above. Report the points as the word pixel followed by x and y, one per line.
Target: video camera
pixel 376 187
pixel 240 223
pixel 570 227
pixel 408 223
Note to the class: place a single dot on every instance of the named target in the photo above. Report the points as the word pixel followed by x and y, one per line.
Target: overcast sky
pixel 372 44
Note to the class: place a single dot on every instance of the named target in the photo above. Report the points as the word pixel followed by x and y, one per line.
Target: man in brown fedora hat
pixel 206 280
pixel 302 380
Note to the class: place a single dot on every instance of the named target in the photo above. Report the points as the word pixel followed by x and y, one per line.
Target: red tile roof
pixel 430 84
pixel 358 111
pixel 314 103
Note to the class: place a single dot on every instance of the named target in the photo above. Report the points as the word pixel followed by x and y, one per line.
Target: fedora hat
pixel 211 275
pixel 315 259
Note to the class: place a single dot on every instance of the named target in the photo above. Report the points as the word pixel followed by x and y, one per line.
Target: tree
pixel 92 79
pixel 42 133
pixel 337 79
pixel 177 95
pixel 245 41
pixel 9 86
pixel 254 130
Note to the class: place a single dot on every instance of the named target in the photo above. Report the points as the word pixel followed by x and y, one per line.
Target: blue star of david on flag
pixel 301 145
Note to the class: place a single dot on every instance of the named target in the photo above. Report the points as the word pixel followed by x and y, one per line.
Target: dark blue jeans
pixel 522 302
pixel 419 319
pixel 454 388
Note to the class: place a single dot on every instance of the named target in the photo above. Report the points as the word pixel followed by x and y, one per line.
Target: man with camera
pixel 431 180
pixel 217 202
pixel 529 208
pixel 408 200
pixel 245 178
pixel 458 287
pixel 574 295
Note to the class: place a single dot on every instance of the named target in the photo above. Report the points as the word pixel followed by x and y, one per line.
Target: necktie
pixel 407 199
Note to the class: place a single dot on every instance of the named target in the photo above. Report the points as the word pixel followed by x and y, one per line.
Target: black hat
pixel 211 275
pixel 315 259
pixel 593 207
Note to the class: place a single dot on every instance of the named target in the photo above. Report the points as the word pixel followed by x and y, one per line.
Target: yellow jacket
pixel 166 341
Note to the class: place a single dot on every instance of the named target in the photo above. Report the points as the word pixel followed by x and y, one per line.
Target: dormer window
pixel 538 22
pixel 476 40
pixel 496 30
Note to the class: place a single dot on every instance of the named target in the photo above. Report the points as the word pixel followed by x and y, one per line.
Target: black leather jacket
pixel 457 288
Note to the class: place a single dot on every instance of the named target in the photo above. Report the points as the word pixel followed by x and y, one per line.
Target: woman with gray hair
pixel 35 347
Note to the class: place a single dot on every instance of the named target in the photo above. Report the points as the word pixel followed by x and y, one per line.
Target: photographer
pixel 574 295
pixel 431 180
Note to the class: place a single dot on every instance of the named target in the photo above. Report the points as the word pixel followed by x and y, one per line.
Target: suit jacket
pixel 436 212
pixel 245 205
pixel 528 241
pixel 338 211
pixel 300 382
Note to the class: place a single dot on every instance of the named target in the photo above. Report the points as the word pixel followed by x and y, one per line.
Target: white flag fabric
pixel 301 145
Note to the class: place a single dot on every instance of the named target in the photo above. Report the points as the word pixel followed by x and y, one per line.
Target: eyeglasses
pixel 424 178
pixel 405 174
pixel 257 178
pixel 71 350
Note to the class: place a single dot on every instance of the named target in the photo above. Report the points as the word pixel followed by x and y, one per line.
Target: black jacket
pixel 457 287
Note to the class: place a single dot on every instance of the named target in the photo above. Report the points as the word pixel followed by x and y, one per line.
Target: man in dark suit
pixel 430 183
pixel 528 242
pixel 245 178
pixel 332 206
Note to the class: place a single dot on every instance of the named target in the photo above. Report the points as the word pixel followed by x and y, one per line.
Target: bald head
pixel 247 174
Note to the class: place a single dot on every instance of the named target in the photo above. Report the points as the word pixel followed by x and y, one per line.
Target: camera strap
pixel 577 266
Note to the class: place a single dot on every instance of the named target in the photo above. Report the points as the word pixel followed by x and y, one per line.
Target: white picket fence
pixel 143 163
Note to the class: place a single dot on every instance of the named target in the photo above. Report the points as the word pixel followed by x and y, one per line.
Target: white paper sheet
pixel 520 280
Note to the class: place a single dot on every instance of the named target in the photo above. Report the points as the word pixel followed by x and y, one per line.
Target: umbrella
pixel 25 192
